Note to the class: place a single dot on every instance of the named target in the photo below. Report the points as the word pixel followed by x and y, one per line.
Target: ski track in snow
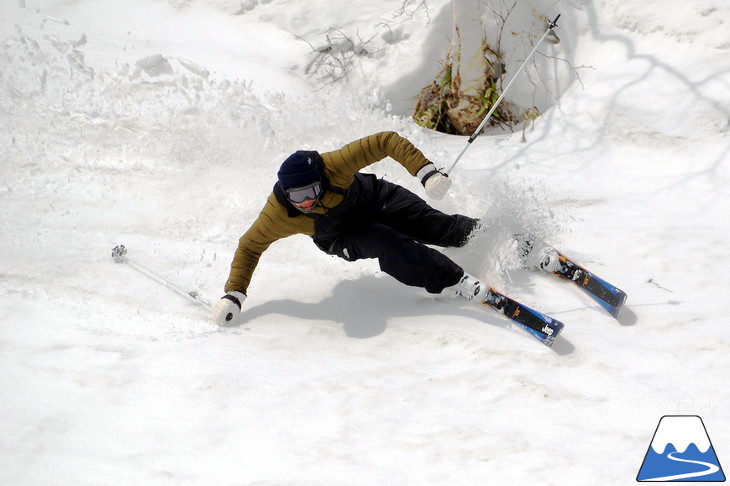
pixel 161 126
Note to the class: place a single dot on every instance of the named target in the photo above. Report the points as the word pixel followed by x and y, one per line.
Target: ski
pixel 537 254
pixel 608 296
pixel 541 326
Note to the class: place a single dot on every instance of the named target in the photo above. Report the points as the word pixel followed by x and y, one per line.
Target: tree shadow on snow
pixel 365 306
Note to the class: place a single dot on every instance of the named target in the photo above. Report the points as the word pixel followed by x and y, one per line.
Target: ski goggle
pixel 304 193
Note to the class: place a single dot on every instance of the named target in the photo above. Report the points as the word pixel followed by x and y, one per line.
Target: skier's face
pixel 306 206
pixel 304 198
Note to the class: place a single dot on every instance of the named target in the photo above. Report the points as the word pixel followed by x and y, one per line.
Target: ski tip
pixel 614 310
pixel 557 328
pixel 547 333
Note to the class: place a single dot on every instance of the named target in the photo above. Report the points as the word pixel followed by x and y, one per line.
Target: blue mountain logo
pixel 681 451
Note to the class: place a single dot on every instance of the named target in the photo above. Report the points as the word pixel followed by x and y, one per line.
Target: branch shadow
pixel 646 64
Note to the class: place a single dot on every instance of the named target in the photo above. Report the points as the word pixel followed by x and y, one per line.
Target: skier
pixel 355 216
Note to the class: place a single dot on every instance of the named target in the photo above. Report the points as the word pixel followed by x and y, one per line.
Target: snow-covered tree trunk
pixel 468 65
pixel 463 91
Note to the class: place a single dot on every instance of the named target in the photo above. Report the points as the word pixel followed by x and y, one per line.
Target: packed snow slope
pixel 160 125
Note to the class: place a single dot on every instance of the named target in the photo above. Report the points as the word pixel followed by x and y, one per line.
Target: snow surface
pixel 160 125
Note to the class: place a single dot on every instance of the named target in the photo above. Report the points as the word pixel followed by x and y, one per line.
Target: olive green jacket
pixel 275 223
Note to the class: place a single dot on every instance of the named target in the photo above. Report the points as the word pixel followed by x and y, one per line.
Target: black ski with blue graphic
pixel 536 254
pixel 608 296
pixel 541 326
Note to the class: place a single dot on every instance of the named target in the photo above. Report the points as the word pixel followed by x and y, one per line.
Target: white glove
pixel 436 182
pixel 227 308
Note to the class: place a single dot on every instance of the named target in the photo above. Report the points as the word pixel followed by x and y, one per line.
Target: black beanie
pixel 298 170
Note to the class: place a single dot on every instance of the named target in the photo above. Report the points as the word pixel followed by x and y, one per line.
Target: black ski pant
pixel 395 228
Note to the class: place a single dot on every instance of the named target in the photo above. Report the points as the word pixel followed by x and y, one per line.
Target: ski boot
pixel 469 287
pixel 537 255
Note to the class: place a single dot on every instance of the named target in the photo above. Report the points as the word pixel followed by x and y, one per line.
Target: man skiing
pixel 355 216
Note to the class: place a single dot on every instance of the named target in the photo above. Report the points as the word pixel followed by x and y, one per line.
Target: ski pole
pixel 473 137
pixel 119 254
